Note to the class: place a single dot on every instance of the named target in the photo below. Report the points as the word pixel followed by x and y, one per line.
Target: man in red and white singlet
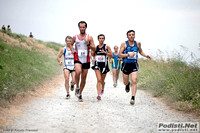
pixel 83 43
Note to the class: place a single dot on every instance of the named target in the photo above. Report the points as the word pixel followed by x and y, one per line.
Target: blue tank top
pixel 131 49
pixel 115 62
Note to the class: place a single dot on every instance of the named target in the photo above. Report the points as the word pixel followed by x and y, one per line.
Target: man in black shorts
pixel 129 52
pixel 83 44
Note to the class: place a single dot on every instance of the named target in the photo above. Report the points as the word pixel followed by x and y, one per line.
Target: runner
pixel 129 52
pixel 101 64
pixel 68 65
pixel 116 65
pixel 83 43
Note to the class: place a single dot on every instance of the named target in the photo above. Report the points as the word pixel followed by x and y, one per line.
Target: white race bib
pixel 82 53
pixel 69 61
pixel 100 58
pixel 134 57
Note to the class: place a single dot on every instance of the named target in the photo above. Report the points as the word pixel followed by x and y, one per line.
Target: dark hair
pixel 115 46
pixel 82 22
pixel 68 37
pixel 100 35
pixel 129 32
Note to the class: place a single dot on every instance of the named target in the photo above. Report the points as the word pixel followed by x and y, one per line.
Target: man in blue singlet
pixel 129 52
pixel 116 65
pixel 68 65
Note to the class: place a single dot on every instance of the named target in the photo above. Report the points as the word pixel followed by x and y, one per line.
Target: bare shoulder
pixel 123 45
pixel 138 43
pixel 62 50
pixel 107 46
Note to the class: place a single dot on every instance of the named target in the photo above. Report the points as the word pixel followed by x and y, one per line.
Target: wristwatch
pixel 128 54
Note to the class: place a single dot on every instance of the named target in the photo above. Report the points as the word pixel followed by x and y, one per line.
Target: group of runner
pixel 77 61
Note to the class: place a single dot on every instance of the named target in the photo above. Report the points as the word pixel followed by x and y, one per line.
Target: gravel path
pixel 112 114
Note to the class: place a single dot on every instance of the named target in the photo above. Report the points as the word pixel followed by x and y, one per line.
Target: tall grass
pixel 174 79
pixel 21 69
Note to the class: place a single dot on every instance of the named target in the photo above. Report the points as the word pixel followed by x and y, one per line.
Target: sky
pixel 170 26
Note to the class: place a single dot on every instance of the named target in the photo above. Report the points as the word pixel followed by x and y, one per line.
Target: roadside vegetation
pixel 174 80
pixel 22 68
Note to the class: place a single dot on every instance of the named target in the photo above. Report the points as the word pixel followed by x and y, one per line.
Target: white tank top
pixel 82 49
pixel 68 59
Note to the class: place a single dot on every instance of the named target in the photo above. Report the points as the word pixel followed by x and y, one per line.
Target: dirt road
pixel 112 114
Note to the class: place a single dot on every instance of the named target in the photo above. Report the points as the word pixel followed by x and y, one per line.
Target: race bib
pixel 69 61
pixel 134 57
pixel 100 58
pixel 82 53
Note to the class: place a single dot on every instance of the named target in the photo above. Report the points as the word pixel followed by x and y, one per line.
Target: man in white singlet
pixel 83 43
pixel 68 65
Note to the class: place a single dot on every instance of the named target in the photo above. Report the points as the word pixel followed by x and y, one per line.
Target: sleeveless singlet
pixel 131 49
pixel 68 59
pixel 115 62
pixel 81 50
pixel 101 60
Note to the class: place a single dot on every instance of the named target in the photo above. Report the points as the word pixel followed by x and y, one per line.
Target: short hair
pixel 101 35
pixel 129 32
pixel 115 46
pixel 82 22
pixel 68 37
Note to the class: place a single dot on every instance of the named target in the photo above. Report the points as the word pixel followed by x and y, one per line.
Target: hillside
pixel 24 64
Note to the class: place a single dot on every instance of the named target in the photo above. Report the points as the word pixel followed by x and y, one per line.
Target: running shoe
pixel 102 91
pixel 80 98
pixel 72 86
pixel 127 89
pixel 98 97
pixel 132 102
pixel 114 85
pixel 77 92
pixel 67 96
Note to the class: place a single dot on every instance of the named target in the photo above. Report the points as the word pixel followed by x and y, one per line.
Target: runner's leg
pixel 125 79
pixel 103 76
pixel 83 79
pixel 117 75
pixel 114 75
pixel 73 74
pixel 78 70
pixel 66 76
pixel 98 75
pixel 134 82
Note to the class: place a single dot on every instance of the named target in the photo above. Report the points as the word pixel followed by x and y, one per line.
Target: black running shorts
pixel 128 68
pixel 84 65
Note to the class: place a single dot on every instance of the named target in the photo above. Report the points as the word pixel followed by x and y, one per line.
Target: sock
pixel 133 97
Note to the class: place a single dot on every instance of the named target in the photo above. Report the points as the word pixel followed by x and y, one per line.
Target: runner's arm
pixel 141 51
pixel 59 56
pixel 121 50
pixel 92 53
pixel 71 46
pixel 92 45
pixel 109 54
